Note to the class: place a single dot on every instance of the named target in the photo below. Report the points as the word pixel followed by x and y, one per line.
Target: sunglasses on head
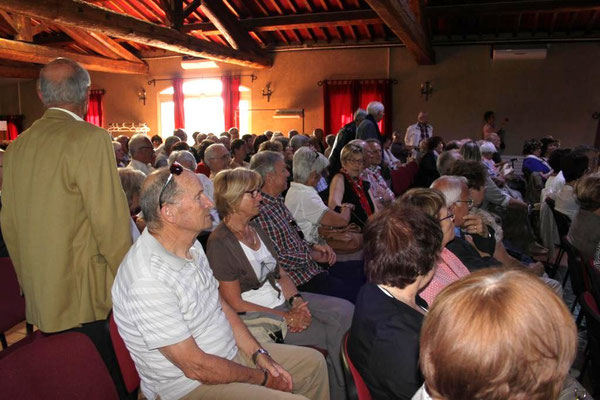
pixel 174 169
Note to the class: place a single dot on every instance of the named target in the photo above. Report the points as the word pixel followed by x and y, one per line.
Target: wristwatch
pixel 257 353
pixel 291 299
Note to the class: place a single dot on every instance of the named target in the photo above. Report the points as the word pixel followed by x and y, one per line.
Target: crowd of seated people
pixel 228 288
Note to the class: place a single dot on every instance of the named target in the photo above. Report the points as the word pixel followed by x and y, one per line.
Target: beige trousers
pixel 306 366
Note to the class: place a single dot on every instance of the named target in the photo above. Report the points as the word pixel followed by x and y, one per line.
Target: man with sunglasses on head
pixel 186 341
pixel 65 216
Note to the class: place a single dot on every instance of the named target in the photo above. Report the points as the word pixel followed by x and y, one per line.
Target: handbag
pixel 348 239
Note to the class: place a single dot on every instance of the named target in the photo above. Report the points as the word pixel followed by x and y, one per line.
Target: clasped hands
pixel 298 318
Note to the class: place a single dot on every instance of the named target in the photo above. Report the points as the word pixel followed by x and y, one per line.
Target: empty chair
pixel 62 366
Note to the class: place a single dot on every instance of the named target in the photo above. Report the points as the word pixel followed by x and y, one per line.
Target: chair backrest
pixel 580 280
pixel 563 223
pixel 592 320
pixel 403 177
pixel 355 385
pixel 131 378
pixel 12 304
pixel 62 366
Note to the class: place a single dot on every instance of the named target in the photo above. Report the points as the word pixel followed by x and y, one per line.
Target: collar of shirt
pixel 375 168
pixel 77 117
pixel 303 187
pixel 157 249
pixel 268 199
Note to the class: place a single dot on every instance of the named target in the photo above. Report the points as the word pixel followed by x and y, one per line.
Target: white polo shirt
pixel 308 209
pixel 160 299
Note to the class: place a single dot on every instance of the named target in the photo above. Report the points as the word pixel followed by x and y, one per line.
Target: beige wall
pixel 556 96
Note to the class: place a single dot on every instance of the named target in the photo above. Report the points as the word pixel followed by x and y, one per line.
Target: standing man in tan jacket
pixel 65 217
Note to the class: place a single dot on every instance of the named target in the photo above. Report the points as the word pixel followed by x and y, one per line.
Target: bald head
pixel 453 187
pixel 423 117
pixel 64 83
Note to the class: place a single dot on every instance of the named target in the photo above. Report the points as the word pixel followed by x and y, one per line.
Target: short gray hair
pixel 446 160
pixel 285 142
pixel 360 112
pixel 209 153
pixel 487 147
pixel 138 141
pixel 150 196
pixel 264 162
pixel 451 186
pixel 69 89
pixel 374 107
pixel 307 161
pixel 170 142
pixel 183 157
pixel 299 141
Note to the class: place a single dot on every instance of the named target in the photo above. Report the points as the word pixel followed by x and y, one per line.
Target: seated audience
pixel 318 139
pixel 556 180
pixel 271 146
pixel 329 140
pixel 119 154
pixel 497 334
pixel 402 245
pixel 304 202
pixel 132 181
pixel 234 133
pixel 225 140
pixel 201 167
pixel 142 154
pixel 292 133
pixel 258 141
pixel 446 160
pixel 487 150
pixel 185 339
pixel 288 153
pixel 343 137
pixel 299 141
pixel 375 171
pixel 216 158
pixel 448 267
pixel 349 192
pixel 156 141
pixel 584 232
pixel 533 162
pixel 179 146
pixel 549 145
pixel 124 140
pixel 299 258
pixel 162 156
pixel 574 165
pixel 428 172
pixel 239 151
pixel 389 159
pixel 245 263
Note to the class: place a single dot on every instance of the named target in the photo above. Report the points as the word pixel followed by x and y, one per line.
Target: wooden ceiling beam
pixel 228 25
pixel 510 7
pixel 401 20
pixel 297 21
pixel 7 71
pixel 116 47
pixel 190 8
pixel 87 40
pixel 33 53
pixel 97 19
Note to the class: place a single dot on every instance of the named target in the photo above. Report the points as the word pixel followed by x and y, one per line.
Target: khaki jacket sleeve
pixel 103 199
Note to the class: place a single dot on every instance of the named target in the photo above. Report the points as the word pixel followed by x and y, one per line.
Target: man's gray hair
pixel 183 157
pixel 170 142
pixel 150 196
pixel 306 161
pixel 299 141
pixel 360 112
pixel 138 141
pixel 72 88
pixel 210 152
pixel 374 107
pixel 285 142
pixel 264 162
pixel 451 186
pixel 446 160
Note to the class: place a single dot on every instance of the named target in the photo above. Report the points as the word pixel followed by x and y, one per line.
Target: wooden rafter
pixel 190 8
pixel 228 25
pixel 33 53
pixel 9 71
pixel 298 21
pixel 510 7
pixel 78 13
pixel 400 19
pixel 87 40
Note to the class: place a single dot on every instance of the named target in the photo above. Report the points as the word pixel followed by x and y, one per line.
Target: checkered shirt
pixel 293 252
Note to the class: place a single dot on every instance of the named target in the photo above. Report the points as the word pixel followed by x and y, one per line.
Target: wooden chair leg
pixel 3 341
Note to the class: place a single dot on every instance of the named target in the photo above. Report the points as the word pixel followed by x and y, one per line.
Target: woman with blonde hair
pixel 497 334
pixel 244 261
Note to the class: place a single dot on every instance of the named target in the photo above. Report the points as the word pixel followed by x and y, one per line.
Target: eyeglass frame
pixel 254 192
pixel 174 169
pixel 469 202
pixel 449 216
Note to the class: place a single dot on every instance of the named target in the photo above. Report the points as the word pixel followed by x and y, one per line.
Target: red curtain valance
pixel 95 113
pixel 230 94
pixel 14 126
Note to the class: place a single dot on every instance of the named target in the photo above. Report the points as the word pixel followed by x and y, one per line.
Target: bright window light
pixel 198 64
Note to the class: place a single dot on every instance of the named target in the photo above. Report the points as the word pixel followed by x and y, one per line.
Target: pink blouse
pixel 449 269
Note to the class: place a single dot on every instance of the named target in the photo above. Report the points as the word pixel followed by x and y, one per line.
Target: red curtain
pixel 338 107
pixel 95 114
pixel 231 101
pixel 178 100
pixel 14 126
pixel 342 98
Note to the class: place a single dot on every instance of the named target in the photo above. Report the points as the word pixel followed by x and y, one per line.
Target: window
pixel 203 108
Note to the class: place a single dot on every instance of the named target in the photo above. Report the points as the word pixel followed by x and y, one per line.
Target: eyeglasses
pixel 175 169
pixel 254 192
pixel 469 202
pixel 449 216
pixel 356 161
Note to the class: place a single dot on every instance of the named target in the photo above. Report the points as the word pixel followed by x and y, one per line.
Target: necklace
pixel 242 234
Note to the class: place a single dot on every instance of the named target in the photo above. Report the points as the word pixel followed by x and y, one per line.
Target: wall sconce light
pixel 142 95
pixel 268 92
pixel 427 90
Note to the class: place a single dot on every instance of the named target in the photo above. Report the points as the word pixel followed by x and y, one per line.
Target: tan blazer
pixel 65 220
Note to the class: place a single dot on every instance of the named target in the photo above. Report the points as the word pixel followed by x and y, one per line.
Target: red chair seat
pixel 356 387
pixel 126 364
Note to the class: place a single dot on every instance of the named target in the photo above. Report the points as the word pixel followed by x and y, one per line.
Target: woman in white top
pixel 574 166
pixel 304 202
pixel 244 261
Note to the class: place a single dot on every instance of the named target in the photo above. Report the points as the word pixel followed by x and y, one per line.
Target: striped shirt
pixel 160 299
pixel 293 252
